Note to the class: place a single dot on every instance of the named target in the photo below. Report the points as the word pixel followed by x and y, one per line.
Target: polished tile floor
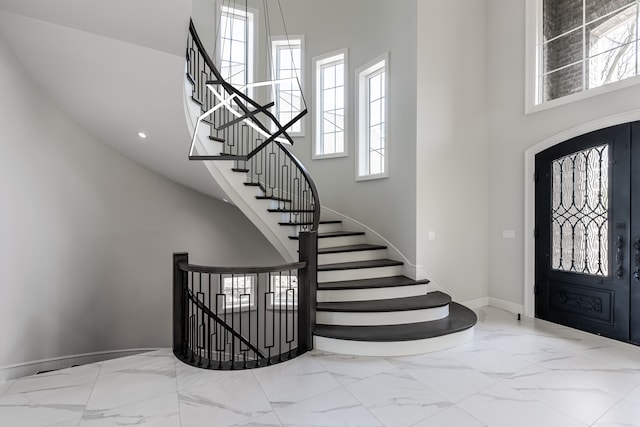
pixel 528 373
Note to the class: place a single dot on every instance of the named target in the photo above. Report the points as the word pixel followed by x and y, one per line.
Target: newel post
pixel 179 303
pixel 308 252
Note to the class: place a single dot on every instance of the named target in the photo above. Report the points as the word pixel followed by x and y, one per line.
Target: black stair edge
pixel 217 139
pixel 242 170
pixel 375 263
pixel 335 234
pixel 284 223
pixel 351 248
pixel 278 210
pixel 277 199
pixel 374 283
pixel 460 319
pixel 433 299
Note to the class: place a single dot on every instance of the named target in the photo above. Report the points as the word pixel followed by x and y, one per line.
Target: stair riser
pixel 384 318
pixel 371 294
pixel 396 348
pixel 331 242
pixel 351 256
pixel 329 228
pixel 359 273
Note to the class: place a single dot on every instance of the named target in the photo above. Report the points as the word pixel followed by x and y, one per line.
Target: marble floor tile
pixel 491 361
pixel 4 386
pixel 501 406
pixel 334 408
pixel 48 398
pixel 578 400
pixel 69 423
pixel 634 396
pixel 160 411
pixel 229 400
pixel 624 414
pixel 450 417
pixel 142 376
pixel 397 399
pixel 348 369
pixel 296 380
pixel 267 420
pixel 445 376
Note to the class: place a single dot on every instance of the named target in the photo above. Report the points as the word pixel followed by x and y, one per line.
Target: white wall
pixel 87 236
pixel 511 132
pixel 452 135
pixel 367 28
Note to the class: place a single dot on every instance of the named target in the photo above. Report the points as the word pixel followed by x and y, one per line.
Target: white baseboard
pixel 24 369
pixel 495 302
pixel 476 303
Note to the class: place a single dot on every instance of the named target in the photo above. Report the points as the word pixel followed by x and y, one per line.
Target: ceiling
pixel 116 68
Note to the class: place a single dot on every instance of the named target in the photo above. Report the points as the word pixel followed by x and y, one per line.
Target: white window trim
pixel 252 42
pixel 362 74
pixel 317 62
pixel 277 41
pixel 533 36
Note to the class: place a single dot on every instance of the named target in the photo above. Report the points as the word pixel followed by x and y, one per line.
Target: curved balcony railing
pixel 248 133
pixel 240 317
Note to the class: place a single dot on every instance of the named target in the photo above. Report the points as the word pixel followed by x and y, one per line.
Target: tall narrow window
pixel 330 93
pixel 235 45
pixel 582 45
pixel 287 58
pixel 372 120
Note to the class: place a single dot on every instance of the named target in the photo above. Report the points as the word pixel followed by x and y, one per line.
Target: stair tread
pixel 460 318
pixel 242 170
pixel 421 302
pixel 351 248
pixel 308 223
pixel 360 264
pixel 290 210
pixel 335 234
pixel 278 199
pixel 376 282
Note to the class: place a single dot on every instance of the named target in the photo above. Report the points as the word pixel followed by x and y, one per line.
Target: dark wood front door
pixel 588 233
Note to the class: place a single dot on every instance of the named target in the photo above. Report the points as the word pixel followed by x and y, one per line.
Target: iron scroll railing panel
pixel 238 318
pixel 243 130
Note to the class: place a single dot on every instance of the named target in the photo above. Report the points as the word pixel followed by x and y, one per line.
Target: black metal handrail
pixel 269 165
pixel 241 317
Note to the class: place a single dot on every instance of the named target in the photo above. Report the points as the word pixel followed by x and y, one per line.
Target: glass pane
pixel 563 51
pixel 375 110
pixel 339 74
pixel 596 9
pixel 376 163
pixel 285 290
pixel 328 77
pixel 579 212
pixel 375 87
pixel 238 29
pixel 563 82
pixel 561 16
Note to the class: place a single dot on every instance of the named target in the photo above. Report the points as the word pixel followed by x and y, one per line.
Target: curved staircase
pixel 364 304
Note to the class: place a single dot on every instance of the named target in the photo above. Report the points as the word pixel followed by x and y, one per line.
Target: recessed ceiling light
pixel 142 135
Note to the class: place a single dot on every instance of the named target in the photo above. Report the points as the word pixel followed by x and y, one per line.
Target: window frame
pixel 250 16
pixel 273 303
pixel 363 75
pixel 319 63
pixel 281 42
pixel 238 308
pixel 533 67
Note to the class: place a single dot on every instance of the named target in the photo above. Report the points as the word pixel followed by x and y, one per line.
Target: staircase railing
pixel 240 317
pixel 249 133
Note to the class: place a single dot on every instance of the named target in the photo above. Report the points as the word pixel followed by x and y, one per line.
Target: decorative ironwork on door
pixel 580 212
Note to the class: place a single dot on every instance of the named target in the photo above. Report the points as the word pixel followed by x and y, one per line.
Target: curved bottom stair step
pixel 371 289
pixel 398 340
pixel 394 311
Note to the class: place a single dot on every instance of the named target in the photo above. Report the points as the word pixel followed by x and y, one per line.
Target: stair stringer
pixel 232 183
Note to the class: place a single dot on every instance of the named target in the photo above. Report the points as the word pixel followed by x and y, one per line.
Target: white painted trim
pixel 396 348
pixel 476 303
pixel 506 305
pixel 529 192
pixel 369 294
pixel 374 318
pixel 17 370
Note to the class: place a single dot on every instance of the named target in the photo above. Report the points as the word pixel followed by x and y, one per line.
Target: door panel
pixel 635 233
pixel 582 229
